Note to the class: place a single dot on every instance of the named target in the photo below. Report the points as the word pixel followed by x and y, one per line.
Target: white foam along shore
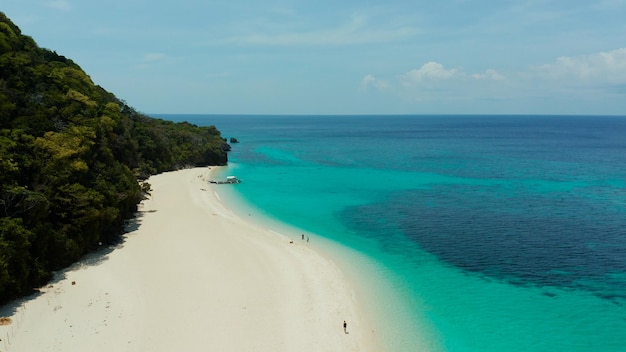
pixel 192 276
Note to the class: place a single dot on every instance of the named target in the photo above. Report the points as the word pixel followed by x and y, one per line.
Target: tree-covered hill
pixel 71 155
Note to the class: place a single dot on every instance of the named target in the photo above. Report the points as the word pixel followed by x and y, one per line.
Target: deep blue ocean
pixel 494 233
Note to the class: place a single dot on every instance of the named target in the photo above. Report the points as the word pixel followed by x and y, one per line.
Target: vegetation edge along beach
pixel 72 160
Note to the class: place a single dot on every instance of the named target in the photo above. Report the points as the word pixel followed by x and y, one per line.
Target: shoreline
pixel 191 275
pixel 385 301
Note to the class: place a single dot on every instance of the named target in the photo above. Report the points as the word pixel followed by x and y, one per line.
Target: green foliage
pixel 71 158
pixel 15 259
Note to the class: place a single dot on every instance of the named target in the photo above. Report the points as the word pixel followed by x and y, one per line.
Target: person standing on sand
pixel 302 236
pixel 345 327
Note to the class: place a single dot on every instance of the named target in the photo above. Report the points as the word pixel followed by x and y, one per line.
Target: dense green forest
pixel 72 157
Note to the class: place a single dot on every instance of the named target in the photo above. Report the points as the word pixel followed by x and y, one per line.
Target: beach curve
pixel 191 275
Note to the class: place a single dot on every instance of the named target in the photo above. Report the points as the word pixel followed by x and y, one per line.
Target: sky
pixel 342 56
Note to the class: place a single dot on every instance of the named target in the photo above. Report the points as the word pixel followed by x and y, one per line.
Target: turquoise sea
pixel 466 233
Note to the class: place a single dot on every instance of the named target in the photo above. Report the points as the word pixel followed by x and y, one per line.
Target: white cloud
pixel 429 72
pixel 435 82
pixel 355 31
pixel 370 81
pixel 436 72
pixel 595 77
pixel 62 5
pixel 604 67
pixel 489 74
pixel 611 5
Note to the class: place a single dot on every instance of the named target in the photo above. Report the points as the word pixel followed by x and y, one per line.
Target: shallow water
pixel 494 233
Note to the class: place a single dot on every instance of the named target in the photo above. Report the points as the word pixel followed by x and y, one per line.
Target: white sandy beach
pixel 192 276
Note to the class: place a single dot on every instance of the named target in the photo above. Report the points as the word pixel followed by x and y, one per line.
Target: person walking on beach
pixel 303 236
pixel 345 327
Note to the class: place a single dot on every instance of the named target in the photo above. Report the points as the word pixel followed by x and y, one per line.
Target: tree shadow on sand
pixel 92 259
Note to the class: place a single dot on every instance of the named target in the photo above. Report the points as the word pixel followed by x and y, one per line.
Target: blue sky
pixel 343 57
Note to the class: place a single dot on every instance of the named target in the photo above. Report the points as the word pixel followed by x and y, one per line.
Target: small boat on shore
pixel 228 180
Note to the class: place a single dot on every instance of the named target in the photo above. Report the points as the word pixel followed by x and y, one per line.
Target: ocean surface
pixel 492 233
